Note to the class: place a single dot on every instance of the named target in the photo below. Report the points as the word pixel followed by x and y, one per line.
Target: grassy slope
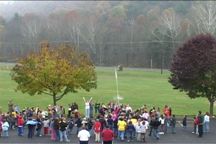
pixel 138 87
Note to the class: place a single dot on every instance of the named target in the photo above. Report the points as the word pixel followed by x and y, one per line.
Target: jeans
pixel 87 113
pixel 130 135
pixel 57 134
pixel 5 133
pixel 38 132
pixel 121 135
pixel 115 130
pixel 20 130
pixel 206 127
pixel 167 125
pixel 155 133
pixel 173 129
pixel 63 135
pixel 200 130
pixel 31 131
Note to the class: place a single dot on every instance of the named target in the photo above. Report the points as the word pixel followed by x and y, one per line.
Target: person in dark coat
pixel 130 131
pixel 155 123
pixel 184 122
pixel 173 124
pixel 31 127
pixel 200 124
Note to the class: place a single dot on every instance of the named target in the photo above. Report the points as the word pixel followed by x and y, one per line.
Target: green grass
pixel 136 86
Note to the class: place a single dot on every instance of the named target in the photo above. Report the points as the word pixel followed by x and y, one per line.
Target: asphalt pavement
pixel 182 136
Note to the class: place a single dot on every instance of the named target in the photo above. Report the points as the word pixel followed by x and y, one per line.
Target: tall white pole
pixel 117 90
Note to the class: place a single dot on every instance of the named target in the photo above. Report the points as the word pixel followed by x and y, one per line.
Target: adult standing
pixel 97 107
pixel 200 124
pixel 87 107
pixel 10 106
pixel 173 124
pixel 31 127
pixel 91 115
pixel 62 130
pixel 206 122
pixel 107 135
pixel 83 136
pixel 155 123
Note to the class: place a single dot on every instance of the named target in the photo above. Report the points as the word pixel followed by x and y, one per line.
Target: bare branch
pixel 205 16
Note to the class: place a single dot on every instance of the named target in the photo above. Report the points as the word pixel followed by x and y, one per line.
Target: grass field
pixel 136 86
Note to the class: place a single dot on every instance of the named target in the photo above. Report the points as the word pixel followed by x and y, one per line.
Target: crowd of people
pixel 103 122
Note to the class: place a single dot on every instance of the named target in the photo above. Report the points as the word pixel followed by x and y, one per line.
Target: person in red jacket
pixel 107 135
pixel 97 130
pixel 20 123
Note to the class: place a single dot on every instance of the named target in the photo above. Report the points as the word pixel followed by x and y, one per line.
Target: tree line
pixel 134 34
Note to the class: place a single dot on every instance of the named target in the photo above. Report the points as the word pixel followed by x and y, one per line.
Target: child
pixel 5 128
pixel 97 130
pixel 143 130
pixel 20 124
pixel 138 128
pixel 130 131
pixel 196 122
pixel 46 126
pixel 162 121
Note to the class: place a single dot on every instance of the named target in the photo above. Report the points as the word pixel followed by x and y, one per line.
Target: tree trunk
pixel 211 107
pixel 54 100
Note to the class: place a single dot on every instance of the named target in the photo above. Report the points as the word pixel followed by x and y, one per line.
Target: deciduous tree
pixel 54 72
pixel 193 68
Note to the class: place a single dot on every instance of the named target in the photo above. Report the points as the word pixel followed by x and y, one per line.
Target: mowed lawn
pixel 136 86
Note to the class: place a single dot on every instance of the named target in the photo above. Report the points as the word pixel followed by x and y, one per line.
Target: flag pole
pixel 117 90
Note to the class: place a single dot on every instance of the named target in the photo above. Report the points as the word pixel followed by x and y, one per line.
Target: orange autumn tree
pixel 55 72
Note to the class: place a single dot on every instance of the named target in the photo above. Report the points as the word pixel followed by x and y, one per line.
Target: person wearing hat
pixel 83 136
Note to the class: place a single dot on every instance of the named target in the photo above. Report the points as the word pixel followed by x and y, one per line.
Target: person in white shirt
pixel 83 136
pixel 46 122
pixel 162 121
pixel 128 108
pixel 141 128
pixel 5 128
pixel 87 107
pixel 206 122
pixel 145 115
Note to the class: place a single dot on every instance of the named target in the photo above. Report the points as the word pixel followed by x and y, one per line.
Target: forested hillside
pixel 133 33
